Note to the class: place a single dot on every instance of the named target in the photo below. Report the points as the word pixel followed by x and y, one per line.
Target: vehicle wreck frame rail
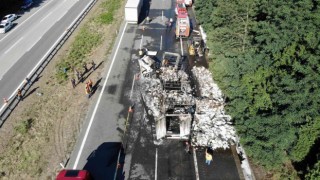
pixel 13 101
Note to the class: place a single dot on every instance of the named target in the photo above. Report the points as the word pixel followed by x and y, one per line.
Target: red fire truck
pixel 182 25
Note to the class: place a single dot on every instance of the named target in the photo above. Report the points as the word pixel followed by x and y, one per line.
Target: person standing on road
pixel 187 149
pixel 208 157
pixel 73 82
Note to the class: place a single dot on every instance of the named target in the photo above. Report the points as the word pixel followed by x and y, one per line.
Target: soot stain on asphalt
pixel 112 89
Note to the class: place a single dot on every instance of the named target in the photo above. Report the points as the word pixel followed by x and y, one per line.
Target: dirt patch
pixel 43 129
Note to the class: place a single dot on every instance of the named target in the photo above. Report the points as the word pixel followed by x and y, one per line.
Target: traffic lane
pixel 24 15
pixel 27 19
pixel 174 162
pixel 102 162
pixel 18 72
pixel 142 151
pixel 112 109
pixel 223 165
pixel 12 51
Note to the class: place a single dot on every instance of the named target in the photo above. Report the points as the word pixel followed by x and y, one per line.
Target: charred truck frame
pixel 173 112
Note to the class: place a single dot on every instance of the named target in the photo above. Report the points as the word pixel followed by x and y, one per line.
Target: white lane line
pixel 156 168
pixel 134 77
pixel 45 16
pixel 42 59
pixel 34 68
pixel 161 43
pixel 141 42
pixel 162 15
pixel 13 45
pixel 98 102
pixel 181 46
pixel 195 164
pixel 26 20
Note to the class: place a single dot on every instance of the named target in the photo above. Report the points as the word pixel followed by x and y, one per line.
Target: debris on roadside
pixel 211 126
pixel 183 112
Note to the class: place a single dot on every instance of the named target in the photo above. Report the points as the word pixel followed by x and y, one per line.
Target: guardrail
pixel 13 101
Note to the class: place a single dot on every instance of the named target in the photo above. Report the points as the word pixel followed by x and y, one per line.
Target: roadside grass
pixel 31 151
pixel 88 38
pixel 108 16
pixel 24 126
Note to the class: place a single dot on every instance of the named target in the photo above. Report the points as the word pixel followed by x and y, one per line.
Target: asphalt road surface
pixel 32 36
pixel 104 138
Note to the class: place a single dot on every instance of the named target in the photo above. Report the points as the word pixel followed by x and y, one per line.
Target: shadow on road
pixel 102 163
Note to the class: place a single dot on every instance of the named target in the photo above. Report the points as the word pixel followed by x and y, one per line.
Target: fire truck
pixel 186 2
pixel 182 25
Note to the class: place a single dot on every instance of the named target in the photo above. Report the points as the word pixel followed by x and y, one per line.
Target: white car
pixel 9 17
pixel 4 27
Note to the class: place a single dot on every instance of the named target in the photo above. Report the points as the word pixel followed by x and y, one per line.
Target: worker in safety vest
pixel 88 93
pixel 90 84
pixel 19 94
pixel 208 157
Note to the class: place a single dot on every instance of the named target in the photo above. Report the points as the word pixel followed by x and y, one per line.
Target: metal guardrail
pixel 14 100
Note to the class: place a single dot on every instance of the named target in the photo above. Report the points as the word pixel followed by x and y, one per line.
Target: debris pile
pixel 152 95
pixel 205 85
pixel 169 98
pixel 171 74
pixel 211 126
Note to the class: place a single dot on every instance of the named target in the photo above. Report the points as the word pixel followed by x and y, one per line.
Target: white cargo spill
pixel 132 10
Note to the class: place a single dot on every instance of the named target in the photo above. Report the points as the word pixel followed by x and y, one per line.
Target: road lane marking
pixel 34 68
pixel 43 57
pixel 156 169
pixel 162 15
pixel 141 42
pixel 26 20
pixel 116 171
pixel 181 46
pixel 45 16
pixel 134 77
pixel 13 45
pixel 98 102
pixel 195 164
pixel 161 43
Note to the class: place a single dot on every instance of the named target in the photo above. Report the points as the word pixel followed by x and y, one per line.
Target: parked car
pixel 9 17
pixel 4 27
pixel 68 174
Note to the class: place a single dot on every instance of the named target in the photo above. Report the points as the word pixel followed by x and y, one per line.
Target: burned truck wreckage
pixel 184 104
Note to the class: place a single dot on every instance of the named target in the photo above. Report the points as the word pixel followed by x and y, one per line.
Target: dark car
pixel 27 4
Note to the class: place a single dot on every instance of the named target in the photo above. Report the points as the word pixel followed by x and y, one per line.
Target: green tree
pixel 265 56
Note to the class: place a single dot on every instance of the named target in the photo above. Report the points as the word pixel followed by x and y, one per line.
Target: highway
pixel 98 147
pixel 33 34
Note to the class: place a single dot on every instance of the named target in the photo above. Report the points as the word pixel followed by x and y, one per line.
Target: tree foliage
pixel 265 55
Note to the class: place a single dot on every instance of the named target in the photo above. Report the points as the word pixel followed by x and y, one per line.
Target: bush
pixel 24 126
pixel 106 18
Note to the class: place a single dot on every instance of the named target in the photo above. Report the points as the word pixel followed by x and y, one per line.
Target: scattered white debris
pixel 211 127
pixel 205 85
pixel 203 34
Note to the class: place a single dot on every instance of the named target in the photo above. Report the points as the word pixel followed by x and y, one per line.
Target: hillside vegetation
pixel 265 56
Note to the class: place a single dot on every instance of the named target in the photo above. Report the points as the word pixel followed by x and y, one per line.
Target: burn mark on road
pixel 112 89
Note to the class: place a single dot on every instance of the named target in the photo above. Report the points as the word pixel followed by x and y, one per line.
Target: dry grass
pixel 43 129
